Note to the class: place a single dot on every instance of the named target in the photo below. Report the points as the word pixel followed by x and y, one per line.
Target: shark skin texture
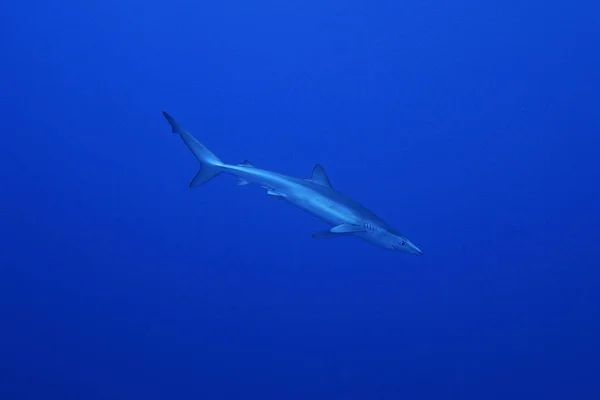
pixel 314 195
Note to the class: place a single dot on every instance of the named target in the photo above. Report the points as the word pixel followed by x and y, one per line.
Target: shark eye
pixel 403 243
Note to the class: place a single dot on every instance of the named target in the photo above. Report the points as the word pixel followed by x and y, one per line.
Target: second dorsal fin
pixel 246 163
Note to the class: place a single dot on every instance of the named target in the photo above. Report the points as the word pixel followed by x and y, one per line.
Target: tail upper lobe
pixel 210 164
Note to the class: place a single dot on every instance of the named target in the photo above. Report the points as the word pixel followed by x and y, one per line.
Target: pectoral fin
pixel 337 231
pixel 346 229
pixel 326 234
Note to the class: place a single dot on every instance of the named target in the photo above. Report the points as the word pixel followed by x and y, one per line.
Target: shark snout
pixel 416 250
pixel 407 246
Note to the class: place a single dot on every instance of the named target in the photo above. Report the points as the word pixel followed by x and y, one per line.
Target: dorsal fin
pixel 246 163
pixel 320 176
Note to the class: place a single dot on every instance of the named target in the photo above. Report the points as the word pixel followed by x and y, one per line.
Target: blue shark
pixel 315 195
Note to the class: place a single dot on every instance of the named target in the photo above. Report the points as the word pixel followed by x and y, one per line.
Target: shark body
pixel 315 195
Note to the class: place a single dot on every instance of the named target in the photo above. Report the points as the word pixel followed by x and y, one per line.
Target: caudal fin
pixel 210 164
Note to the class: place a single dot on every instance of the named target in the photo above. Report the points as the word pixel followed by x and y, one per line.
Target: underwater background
pixel 472 127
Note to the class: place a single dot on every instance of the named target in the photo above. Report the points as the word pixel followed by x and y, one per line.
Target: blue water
pixel 472 128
